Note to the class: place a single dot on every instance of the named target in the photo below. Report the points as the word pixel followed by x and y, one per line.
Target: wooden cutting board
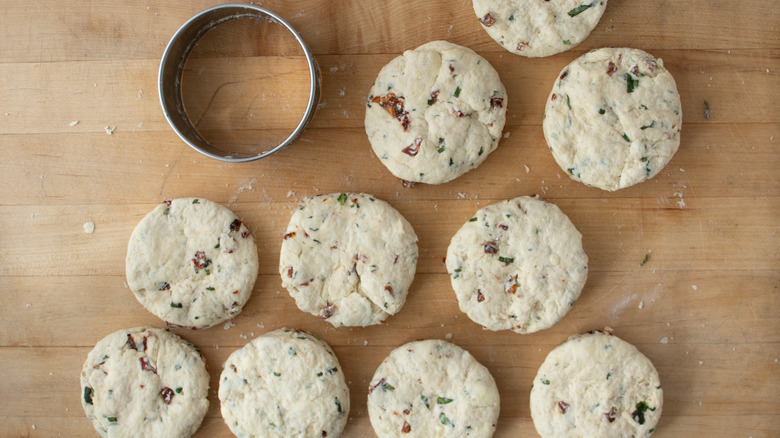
pixel 704 308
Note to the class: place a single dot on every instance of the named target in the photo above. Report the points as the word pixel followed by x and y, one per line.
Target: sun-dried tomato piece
pixel 563 407
pixel 612 68
pixel 458 113
pixel 434 96
pixel 164 286
pixel 395 106
pixel 635 70
pixel 200 261
pixel 490 247
pixel 395 260
pixel 374 386
pixel 413 148
pixel 407 184
pixel 496 102
pixel 146 365
pixel 131 342
pixel 290 272
pixel 245 234
pixel 487 20
pixel 553 97
pixel 167 395
pixel 564 74
pixel 235 225
pixel 390 290
pixel 480 297
pixel 503 227
pixel 289 235
pixel 521 46
pixel 361 257
pixel 511 285
pixel 406 428
pixel 327 311
pixel 611 414
pixel 452 67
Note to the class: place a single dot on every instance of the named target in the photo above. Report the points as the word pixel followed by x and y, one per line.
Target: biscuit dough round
pixel 536 28
pixel 144 382
pixel 431 389
pixel 613 118
pixel 348 258
pixel 192 263
pixel 285 383
pixel 596 385
pixel 435 113
pixel 517 265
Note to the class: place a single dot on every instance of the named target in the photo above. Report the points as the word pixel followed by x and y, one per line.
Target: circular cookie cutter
pixel 172 67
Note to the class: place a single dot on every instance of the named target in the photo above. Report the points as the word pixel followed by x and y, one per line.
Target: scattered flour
pixel 89 227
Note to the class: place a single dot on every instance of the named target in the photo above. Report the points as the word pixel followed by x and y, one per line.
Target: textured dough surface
pixel 348 258
pixel 596 385
pixel 536 28
pixel 285 383
pixel 517 265
pixel 430 389
pixel 613 118
pixel 435 113
pixel 192 262
pixel 144 382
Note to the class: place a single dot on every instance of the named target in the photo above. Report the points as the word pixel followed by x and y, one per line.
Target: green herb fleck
pixel 176 305
pixel 210 288
pixel 342 198
pixel 645 159
pixel 444 420
pixel 292 352
pixel 506 259
pixel 643 106
pixel 372 268
pixel 216 246
pixel 626 138
pixel 651 431
pixel 338 405
pixel 194 201
pixel 545 381
pixel 567 42
pixel 271 426
pixel 451 162
pixel 481 150
pixel 647 257
pixel 88 395
pixel 319 374
pixel 706 110
pixel 443 400
pixel 609 374
pixel 178 390
pixel 457 273
pixel 473 219
pixel 602 111
pixel 440 150
pixel 430 101
pixel 652 125
pixel 568 101
pixel 332 371
pixel 277 374
pixel 425 401
pixel 387 387
pixel 511 18
pixel 642 406
pixel 631 83
pixel 111 419
pixel 580 9
pixel 457 92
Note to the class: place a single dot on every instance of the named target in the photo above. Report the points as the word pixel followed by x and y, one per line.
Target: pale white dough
pixel 192 262
pixel 613 118
pixel 348 258
pixel 517 265
pixel 435 113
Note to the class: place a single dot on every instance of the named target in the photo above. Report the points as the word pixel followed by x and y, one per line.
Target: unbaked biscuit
pixel 517 265
pixel 613 118
pixel 284 384
pixel 432 389
pixel 348 258
pixel 537 28
pixel 435 113
pixel 144 382
pixel 596 385
pixel 192 263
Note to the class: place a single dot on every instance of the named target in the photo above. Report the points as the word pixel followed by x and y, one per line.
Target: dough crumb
pixel 89 227
pixel 664 340
pixel 73 123
pixel 694 287
pixel 641 305
pixel 110 129
pixel 701 363
pixel 229 325
pixel 365 342
pixel 507 134
pixel 448 336
pixel 527 169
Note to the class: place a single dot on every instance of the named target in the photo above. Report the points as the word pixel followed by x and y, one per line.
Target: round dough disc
pixel 192 263
pixel 517 265
pixel 596 385
pixel 613 118
pixel 435 113
pixel 431 389
pixel 348 258
pixel 285 383
pixel 537 28
pixel 144 382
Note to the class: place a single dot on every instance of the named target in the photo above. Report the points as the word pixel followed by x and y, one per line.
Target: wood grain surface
pixel 710 221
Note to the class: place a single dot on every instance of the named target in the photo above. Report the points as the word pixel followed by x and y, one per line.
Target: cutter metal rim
pixel 172 67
